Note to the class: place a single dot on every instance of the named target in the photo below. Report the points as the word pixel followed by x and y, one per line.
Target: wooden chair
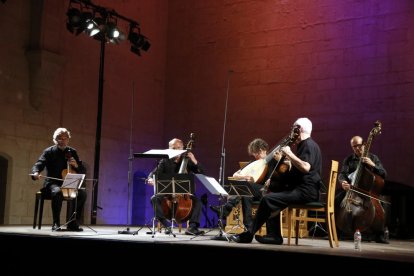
pixel 326 207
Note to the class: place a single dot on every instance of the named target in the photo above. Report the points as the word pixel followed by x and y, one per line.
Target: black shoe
pixel 74 226
pixel 269 239
pixel 194 231
pixel 75 229
pixel 245 237
pixel 55 226
pixel 168 230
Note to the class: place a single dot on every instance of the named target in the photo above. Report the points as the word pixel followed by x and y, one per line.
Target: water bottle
pixel 357 240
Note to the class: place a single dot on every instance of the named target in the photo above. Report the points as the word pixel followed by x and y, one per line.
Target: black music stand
pixel 215 188
pixel 239 188
pixel 159 154
pixel 173 185
pixel 70 186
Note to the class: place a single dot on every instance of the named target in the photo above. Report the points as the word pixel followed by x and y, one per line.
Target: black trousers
pixel 275 202
pixel 54 191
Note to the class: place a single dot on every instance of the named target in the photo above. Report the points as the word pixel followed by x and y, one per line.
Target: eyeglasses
pixel 357 146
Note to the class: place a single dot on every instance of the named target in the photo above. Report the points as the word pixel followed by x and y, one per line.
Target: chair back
pixel 330 201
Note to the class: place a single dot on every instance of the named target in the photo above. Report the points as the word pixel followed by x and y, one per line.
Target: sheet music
pixel 171 153
pixel 211 184
pixel 73 181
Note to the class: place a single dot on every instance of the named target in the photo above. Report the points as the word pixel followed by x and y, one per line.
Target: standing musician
pixel 171 166
pixel 304 182
pixel 349 165
pixel 57 160
pixel 258 149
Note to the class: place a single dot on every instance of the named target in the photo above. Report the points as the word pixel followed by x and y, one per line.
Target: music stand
pixel 70 186
pixel 173 185
pixel 239 188
pixel 159 154
pixel 216 189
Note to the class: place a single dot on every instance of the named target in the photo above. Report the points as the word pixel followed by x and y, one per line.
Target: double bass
pixel 179 207
pixel 361 208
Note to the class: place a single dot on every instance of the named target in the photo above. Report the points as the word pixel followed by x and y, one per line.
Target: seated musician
pixel 58 161
pixel 304 182
pixel 349 165
pixel 258 149
pixel 171 166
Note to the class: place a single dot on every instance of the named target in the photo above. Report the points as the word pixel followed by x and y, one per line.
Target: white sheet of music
pixel 170 152
pixel 211 184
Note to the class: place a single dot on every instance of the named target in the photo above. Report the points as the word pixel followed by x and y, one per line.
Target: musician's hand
pixel 286 151
pixel 150 181
pixel 36 176
pixel 368 161
pixel 277 155
pixel 73 163
pixel 345 185
pixel 192 157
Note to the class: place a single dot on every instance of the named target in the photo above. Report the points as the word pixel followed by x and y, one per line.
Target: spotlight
pixel 74 19
pixel 94 28
pixel 137 40
pixel 102 24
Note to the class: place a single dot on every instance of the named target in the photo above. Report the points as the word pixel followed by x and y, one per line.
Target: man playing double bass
pixel 171 166
pixel 349 165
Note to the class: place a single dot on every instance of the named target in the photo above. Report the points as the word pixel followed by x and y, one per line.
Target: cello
pixel 179 207
pixel 361 208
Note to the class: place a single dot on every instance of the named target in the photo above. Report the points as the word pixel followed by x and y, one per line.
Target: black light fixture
pixel 138 41
pixel 74 20
pixel 102 24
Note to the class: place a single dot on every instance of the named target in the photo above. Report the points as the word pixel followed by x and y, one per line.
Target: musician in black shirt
pixel 56 160
pixel 349 166
pixel 171 166
pixel 304 181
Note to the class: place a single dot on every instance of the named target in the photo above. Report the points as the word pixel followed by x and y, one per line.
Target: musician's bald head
pixel 176 144
pixel 305 125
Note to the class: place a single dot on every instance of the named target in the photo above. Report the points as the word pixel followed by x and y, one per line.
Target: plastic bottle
pixel 357 240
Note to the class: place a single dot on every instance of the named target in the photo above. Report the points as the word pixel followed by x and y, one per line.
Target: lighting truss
pixel 101 23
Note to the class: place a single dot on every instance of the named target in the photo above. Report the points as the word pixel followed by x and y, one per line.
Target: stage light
pixel 74 20
pixel 102 24
pixel 138 41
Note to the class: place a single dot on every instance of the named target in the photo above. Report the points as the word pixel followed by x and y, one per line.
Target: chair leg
pixel 297 211
pixel 42 201
pixel 333 234
pixel 36 210
pixel 289 223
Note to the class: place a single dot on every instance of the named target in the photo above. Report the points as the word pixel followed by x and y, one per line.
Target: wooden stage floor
pixel 104 243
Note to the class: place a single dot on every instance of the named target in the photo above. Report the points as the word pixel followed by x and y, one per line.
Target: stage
pixel 103 248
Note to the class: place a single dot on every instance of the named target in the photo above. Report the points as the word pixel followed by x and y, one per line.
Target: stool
pixel 39 202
